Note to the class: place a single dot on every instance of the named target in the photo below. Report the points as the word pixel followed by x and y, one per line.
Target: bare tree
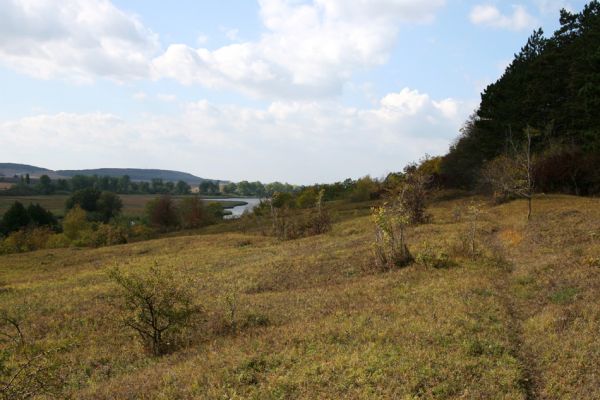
pixel 512 175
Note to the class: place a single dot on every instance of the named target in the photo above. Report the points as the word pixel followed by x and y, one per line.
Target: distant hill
pixel 137 174
pixel 8 170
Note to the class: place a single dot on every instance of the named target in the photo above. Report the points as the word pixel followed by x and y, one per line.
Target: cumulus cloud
pixel 75 39
pixel 166 97
pixel 140 96
pixel 489 15
pixel 308 49
pixel 553 6
pixel 288 140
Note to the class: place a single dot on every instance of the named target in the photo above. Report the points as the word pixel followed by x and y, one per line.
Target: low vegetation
pixel 308 318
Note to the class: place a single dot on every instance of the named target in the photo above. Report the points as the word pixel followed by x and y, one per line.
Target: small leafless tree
pixel 320 220
pixel 473 215
pixel 511 175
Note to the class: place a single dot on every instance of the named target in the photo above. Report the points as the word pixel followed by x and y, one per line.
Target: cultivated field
pixel 133 204
pixel 521 321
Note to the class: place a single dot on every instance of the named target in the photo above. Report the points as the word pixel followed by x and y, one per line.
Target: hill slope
pixel 10 169
pixel 137 174
pixel 518 322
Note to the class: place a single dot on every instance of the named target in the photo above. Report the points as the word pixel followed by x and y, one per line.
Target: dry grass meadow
pixel 519 321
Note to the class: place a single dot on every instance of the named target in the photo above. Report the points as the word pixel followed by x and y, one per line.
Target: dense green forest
pixel 552 87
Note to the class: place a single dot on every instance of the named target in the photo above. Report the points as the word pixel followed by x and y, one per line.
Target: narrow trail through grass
pixel 529 380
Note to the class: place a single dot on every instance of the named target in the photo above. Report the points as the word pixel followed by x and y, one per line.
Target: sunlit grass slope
pixel 520 321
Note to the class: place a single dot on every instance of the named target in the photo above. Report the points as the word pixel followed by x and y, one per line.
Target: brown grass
pixel 520 321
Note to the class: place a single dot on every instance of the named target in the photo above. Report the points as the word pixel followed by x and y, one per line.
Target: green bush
pixel 76 223
pixel 25 240
pixel 158 305
pixel 433 258
pixel 58 241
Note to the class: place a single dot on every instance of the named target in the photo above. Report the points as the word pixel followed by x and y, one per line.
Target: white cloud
pixel 302 142
pixel 140 96
pixel 407 102
pixel 166 97
pixel 553 6
pixel 77 40
pixel 232 34
pixel 202 39
pixel 308 50
pixel 448 107
pixel 489 15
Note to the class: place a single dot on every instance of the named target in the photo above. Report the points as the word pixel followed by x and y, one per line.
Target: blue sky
pixel 289 90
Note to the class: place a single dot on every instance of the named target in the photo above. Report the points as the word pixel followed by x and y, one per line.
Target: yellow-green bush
pixel 25 240
pixel 57 241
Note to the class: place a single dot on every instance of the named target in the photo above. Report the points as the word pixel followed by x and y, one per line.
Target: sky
pixel 273 90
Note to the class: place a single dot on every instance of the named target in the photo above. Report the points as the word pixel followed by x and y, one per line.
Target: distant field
pixel 133 204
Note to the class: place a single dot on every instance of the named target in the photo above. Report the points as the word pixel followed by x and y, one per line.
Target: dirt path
pixel 530 377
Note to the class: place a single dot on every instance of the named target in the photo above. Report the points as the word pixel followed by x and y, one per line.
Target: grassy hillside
pixel 519 322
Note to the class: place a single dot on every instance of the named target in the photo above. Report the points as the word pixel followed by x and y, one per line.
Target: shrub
pixel 57 241
pixel 162 213
pixel 307 198
pixel 141 231
pixel 214 212
pixel 415 190
pixel 289 223
pixel 39 216
pixel 192 213
pixel 469 236
pixel 15 218
pixel 26 369
pixel 433 258
pixel 75 223
pixel 157 305
pixel 390 249
pixel 109 235
pixel 320 220
pixel 365 189
pixel 25 240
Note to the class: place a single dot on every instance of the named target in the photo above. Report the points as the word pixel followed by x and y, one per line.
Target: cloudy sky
pixel 292 90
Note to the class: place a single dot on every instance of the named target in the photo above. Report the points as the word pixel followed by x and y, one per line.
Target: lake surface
pixel 237 211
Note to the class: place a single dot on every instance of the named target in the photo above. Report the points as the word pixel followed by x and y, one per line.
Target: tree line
pixel 45 185
pixel 552 87
pixel 94 218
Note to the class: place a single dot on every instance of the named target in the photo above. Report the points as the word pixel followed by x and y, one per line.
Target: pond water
pixel 237 211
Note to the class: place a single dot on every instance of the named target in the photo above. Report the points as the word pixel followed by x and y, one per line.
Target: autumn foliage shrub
pixel 389 248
